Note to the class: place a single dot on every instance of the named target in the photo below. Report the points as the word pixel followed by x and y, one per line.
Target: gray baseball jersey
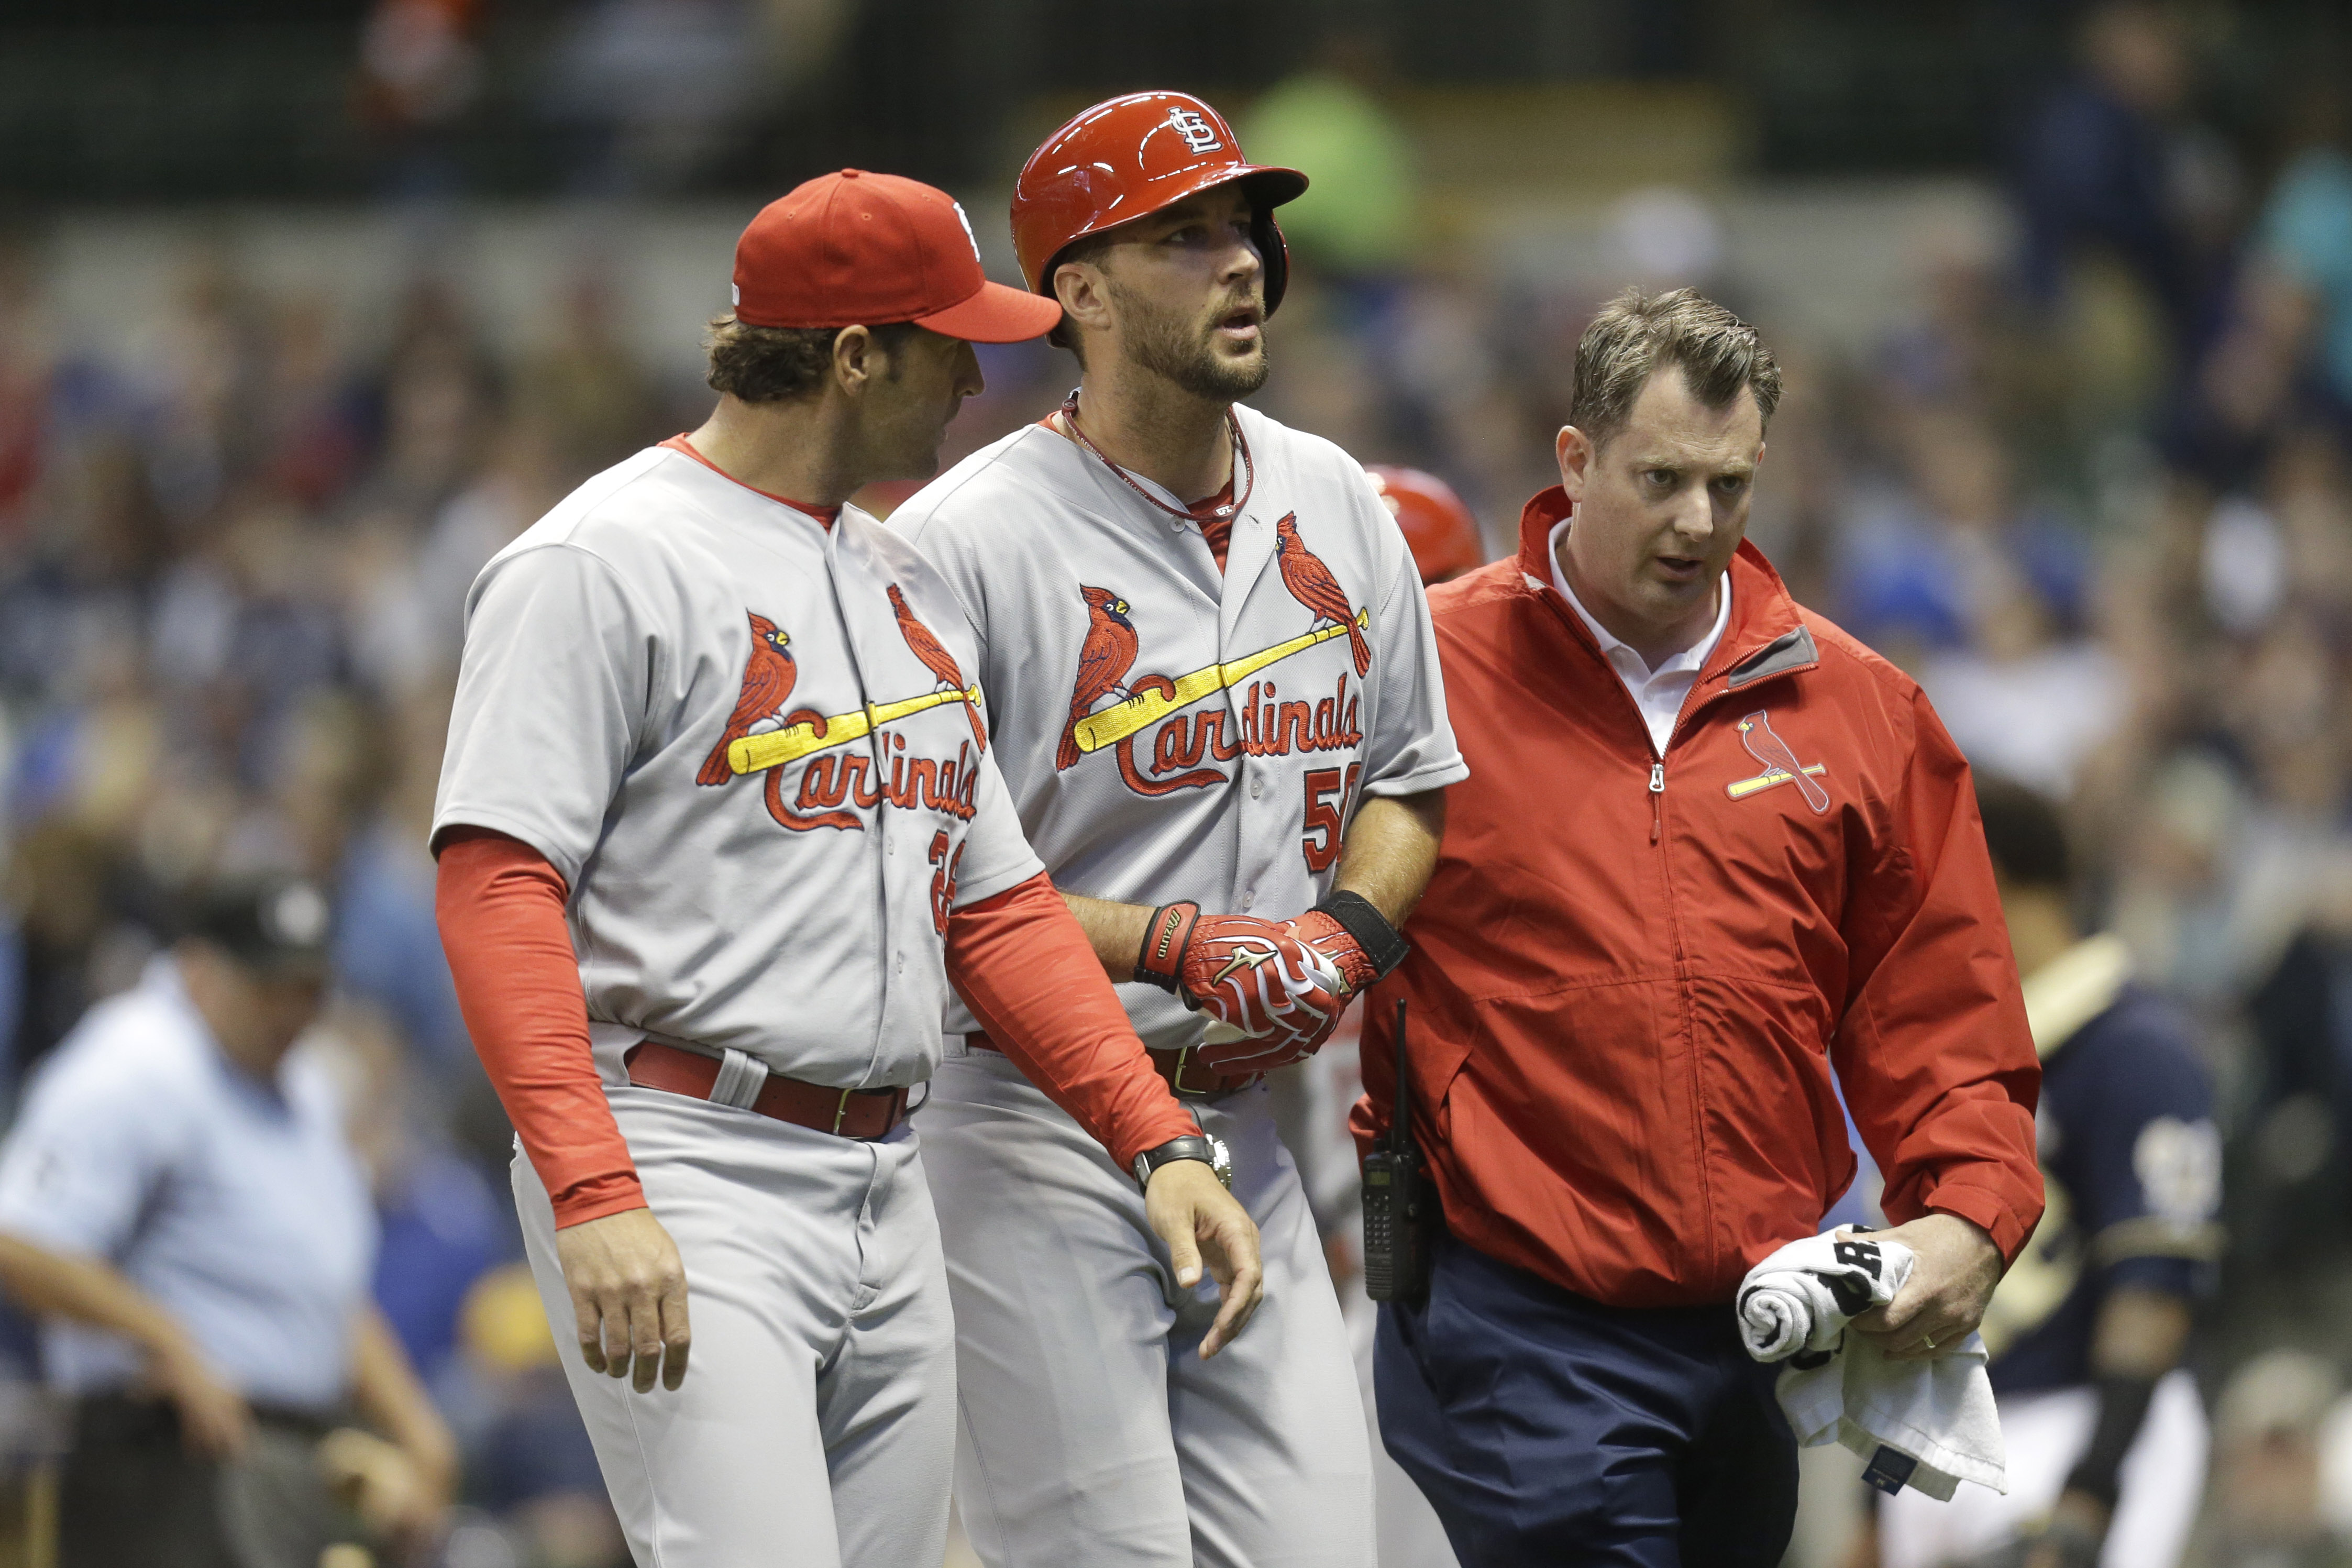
pixel 750 745
pixel 1171 732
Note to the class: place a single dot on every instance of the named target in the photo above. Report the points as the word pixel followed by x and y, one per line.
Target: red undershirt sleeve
pixel 1024 965
pixel 500 905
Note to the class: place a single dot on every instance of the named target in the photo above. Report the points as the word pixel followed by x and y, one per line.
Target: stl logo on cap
pixel 965 218
pixel 1197 134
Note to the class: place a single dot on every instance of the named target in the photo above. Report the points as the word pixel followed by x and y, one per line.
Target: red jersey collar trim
pixel 825 515
pixel 1761 608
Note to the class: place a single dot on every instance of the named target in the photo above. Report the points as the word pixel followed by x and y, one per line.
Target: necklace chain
pixel 1241 450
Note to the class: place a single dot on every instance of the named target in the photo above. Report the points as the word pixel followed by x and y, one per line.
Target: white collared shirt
pixel 1659 692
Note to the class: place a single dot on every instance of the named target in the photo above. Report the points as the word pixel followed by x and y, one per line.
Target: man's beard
pixel 1168 345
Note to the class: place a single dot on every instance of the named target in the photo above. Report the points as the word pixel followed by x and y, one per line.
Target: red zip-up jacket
pixel 1632 975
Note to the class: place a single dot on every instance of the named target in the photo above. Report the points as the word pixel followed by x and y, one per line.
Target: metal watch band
pixel 1371 929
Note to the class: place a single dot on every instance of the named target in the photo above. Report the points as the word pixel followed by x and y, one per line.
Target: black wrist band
pixel 1161 960
pixel 1191 1146
pixel 2123 1406
pixel 1371 929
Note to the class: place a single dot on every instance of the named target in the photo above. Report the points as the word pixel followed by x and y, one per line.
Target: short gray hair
pixel 1636 332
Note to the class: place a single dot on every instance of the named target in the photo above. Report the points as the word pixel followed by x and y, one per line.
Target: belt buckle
pixel 841 1111
pixel 1184 1066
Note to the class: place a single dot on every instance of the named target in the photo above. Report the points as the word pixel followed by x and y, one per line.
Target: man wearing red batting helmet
pixel 716 835
pixel 1213 695
pixel 1438 528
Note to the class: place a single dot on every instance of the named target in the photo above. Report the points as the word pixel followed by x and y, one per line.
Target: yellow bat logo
pixel 1145 708
pixel 756 753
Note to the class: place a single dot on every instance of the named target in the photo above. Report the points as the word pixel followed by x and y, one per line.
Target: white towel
pixel 1929 1425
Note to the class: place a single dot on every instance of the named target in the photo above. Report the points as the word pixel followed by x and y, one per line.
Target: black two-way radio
pixel 1400 1208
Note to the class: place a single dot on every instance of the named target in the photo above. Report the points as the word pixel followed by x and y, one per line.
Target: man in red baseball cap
pixel 717 830
pixel 1215 699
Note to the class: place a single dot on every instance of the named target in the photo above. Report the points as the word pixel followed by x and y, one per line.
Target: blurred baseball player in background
pixel 1438 528
pixel 2106 1434
pixel 712 763
pixel 1213 695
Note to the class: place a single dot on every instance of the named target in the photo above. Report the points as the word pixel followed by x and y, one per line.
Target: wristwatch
pixel 1207 1148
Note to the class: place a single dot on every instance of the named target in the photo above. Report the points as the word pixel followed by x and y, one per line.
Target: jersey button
pixel 1257 786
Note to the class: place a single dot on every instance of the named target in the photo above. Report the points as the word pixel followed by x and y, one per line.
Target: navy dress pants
pixel 1549 1430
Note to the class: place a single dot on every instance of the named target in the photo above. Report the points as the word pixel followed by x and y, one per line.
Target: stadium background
pixel 307 306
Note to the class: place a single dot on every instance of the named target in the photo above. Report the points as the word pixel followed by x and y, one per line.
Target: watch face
pixel 1221 1160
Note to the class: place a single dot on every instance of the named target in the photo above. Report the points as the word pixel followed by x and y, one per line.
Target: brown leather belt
pixel 865 1113
pixel 1184 1075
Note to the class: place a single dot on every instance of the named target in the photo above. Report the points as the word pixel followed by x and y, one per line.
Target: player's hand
pixel 1192 1212
pixel 1945 1299
pixel 1280 997
pixel 628 1297
pixel 214 1421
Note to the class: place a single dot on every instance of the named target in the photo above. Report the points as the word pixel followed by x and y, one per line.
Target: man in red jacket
pixel 1712 851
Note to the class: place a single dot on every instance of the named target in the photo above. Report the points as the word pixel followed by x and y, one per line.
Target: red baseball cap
pixel 862 249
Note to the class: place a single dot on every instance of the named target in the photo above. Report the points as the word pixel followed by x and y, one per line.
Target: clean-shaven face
pixel 1660 506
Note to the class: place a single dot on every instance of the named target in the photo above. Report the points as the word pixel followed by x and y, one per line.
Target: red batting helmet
pixel 1438 529
pixel 1132 156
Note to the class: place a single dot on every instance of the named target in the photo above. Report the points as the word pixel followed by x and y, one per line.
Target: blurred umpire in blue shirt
pixel 2107 1437
pixel 179 1204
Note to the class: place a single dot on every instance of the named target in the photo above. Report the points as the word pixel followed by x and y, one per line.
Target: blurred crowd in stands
pixel 2092 488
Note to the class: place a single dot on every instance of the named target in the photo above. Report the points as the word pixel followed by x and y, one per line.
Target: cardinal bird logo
pixel 1311 584
pixel 1780 766
pixel 1104 659
pixel 768 677
pixel 936 658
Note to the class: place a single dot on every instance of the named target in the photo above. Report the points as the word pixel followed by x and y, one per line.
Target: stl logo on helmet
pixel 1197 134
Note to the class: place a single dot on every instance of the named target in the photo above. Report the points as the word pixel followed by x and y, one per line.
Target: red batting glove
pixel 1279 994
pixel 1312 1015
pixel 1282 997
pixel 1327 936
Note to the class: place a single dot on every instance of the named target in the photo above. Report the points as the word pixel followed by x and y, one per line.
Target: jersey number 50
pixel 1324 819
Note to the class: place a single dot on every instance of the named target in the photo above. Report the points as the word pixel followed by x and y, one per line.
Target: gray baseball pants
pixel 1089 1429
pixel 816 1426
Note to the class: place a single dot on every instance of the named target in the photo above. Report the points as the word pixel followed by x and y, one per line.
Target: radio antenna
pixel 1400 1129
